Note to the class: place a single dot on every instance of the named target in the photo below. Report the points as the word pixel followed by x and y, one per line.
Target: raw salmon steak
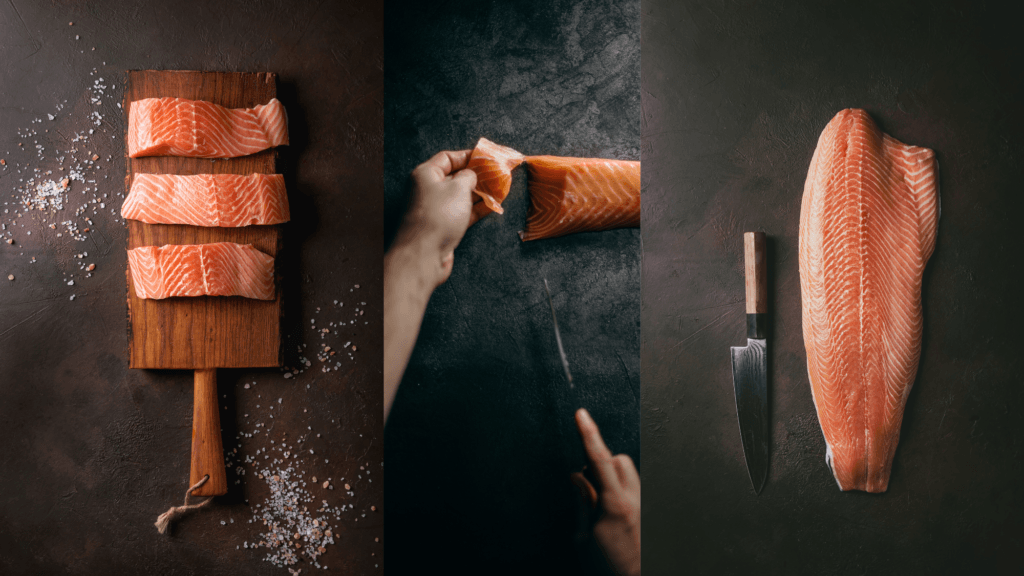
pixel 224 200
pixel 569 195
pixel 200 129
pixel 219 269
pixel 493 165
pixel 868 222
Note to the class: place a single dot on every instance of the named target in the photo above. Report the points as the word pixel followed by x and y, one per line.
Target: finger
pixel 597 452
pixel 460 159
pixel 448 161
pixel 585 487
pixel 628 476
pixel 480 209
pixel 474 217
pixel 447 263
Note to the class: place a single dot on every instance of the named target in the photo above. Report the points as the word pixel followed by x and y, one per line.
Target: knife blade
pixel 567 401
pixel 750 364
pixel 558 336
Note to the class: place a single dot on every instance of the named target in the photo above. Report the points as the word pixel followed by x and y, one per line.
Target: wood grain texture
pixel 203 332
pixel 755 272
pixel 207 446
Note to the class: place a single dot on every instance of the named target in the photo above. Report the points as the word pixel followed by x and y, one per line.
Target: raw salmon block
pixel 200 129
pixel 224 200
pixel 569 195
pixel 219 269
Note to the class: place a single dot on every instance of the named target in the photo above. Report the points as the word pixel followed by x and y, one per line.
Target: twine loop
pixel 165 519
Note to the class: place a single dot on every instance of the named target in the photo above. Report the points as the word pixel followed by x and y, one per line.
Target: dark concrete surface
pixel 734 97
pixel 480 440
pixel 92 451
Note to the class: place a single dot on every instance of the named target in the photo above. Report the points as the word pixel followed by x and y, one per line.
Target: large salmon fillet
pixel 868 222
pixel 200 129
pixel 224 200
pixel 569 195
pixel 219 269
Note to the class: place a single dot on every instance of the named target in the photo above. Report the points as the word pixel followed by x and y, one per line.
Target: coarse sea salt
pixel 39 191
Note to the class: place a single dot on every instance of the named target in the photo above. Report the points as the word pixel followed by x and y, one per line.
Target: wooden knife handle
pixel 755 265
pixel 755 272
pixel 207 448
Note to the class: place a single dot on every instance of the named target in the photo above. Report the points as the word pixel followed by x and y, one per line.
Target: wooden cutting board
pixel 207 332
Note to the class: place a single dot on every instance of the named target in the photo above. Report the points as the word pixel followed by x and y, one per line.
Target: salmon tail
pixel 493 165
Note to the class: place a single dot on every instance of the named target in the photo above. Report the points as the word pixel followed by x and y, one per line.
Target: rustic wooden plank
pixel 204 332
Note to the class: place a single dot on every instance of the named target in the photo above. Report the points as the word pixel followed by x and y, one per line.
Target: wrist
pixel 412 268
pixel 418 233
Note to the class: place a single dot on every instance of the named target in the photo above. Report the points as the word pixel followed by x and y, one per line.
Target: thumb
pixel 465 178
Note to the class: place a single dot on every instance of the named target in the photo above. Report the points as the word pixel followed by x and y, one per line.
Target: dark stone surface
pixel 480 440
pixel 734 98
pixel 93 451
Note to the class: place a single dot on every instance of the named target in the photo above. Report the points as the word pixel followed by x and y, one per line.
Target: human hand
pixel 617 531
pixel 439 212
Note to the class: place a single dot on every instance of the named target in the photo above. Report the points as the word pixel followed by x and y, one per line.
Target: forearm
pixel 409 280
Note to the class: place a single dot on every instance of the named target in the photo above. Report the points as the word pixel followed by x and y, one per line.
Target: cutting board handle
pixel 207 448
pixel 755 265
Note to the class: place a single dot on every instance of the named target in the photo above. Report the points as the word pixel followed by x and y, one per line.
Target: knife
pixel 589 553
pixel 750 364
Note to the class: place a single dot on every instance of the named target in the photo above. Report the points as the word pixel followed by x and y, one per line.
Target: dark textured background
pixel 93 452
pixel 735 95
pixel 480 440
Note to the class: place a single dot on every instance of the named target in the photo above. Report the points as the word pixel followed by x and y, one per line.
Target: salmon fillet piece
pixel 493 165
pixel 218 269
pixel 224 200
pixel 200 129
pixel 569 195
pixel 868 222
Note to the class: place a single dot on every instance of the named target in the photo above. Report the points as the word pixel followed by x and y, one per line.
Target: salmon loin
pixel 569 195
pixel 493 165
pixel 868 222
pixel 200 129
pixel 219 269
pixel 224 200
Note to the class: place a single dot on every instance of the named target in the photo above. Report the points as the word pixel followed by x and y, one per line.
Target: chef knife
pixel 750 364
